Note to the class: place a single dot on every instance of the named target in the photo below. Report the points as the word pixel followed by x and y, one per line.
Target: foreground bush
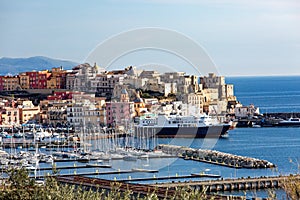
pixel 291 185
pixel 20 186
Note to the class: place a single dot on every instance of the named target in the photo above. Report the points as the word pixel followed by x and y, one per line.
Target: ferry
pixel 290 122
pixel 160 125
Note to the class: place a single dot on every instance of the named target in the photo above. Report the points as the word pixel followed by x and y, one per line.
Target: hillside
pixel 16 65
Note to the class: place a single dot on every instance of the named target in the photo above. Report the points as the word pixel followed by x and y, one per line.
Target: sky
pixel 243 38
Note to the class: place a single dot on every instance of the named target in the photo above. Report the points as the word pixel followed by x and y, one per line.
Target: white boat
pixel 180 126
pixel 290 122
pixel 254 125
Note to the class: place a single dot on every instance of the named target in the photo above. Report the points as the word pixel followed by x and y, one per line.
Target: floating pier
pixel 215 157
pixel 72 167
pixel 96 172
pixel 33 145
pixel 171 177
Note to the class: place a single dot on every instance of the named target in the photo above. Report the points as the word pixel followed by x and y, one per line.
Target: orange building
pixel 10 83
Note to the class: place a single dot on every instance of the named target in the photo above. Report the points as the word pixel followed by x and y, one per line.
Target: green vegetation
pixel 292 187
pixel 20 186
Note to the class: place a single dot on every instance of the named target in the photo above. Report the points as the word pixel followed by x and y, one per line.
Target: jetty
pixel 215 157
pixel 171 177
pixel 96 172
pixel 233 184
pixel 165 190
pixel 137 189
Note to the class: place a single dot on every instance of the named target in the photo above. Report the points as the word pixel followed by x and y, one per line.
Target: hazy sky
pixel 242 37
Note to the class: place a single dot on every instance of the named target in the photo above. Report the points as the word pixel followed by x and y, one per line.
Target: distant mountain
pixel 16 65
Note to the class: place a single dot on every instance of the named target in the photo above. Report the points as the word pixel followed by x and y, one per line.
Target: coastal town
pixel 88 94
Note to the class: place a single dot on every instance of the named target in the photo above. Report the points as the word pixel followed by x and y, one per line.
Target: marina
pixel 132 157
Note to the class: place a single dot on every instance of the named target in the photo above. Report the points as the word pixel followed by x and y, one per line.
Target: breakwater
pixel 215 157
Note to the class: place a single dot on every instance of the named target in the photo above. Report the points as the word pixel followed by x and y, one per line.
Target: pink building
pixel 120 113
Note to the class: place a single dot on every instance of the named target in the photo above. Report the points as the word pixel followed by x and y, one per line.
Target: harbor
pixel 206 153
pixel 167 162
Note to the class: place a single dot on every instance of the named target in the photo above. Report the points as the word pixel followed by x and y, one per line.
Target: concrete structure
pixel 83 113
pixel 104 84
pixel 79 78
pixel 246 111
pixel 185 83
pixel 193 99
pixel 57 113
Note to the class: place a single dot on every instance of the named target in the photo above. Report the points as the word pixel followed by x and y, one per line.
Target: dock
pixel 171 177
pixel 137 189
pixel 96 172
pixel 232 184
pixel 33 145
pixel 72 167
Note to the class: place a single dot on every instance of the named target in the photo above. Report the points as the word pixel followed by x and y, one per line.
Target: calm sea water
pixel 270 94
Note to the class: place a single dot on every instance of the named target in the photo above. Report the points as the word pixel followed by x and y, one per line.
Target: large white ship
pixel 180 126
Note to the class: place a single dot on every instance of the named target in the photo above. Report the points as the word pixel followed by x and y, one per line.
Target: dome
pixel 138 100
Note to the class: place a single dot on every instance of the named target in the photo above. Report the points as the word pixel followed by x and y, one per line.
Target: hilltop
pixel 16 65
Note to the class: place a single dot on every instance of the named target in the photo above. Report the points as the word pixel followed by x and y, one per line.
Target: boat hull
pixel 183 132
pixel 288 124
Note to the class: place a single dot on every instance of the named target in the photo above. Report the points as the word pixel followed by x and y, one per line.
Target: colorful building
pixel 120 113
pixel 33 79
pixel 24 81
pixel 28 112
pixel 10 83
pixel 1 83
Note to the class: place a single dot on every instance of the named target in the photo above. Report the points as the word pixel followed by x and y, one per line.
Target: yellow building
pixel 139 105
pixel 100 107
pixel 10 116
pixel 24 81
pixel 51 83
pixel 56 80
pixel 28 112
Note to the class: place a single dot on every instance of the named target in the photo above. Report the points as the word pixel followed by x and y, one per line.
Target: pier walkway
pixel 232 184
pixel 96 172
pixel 169 189
pixel 137 189
pixel 171 177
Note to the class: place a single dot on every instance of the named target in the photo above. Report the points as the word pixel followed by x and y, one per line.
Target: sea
pixel 279 145
pixel 270 93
